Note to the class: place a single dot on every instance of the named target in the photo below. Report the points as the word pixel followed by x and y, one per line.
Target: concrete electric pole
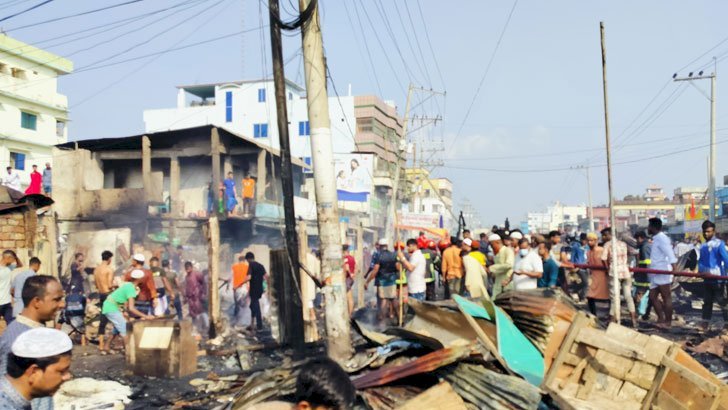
pixel 590 209
pixel 616 301
pixel 337 312
pixel 391 227
pixel 711 161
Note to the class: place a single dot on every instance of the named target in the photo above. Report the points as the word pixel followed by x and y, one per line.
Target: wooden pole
pixel 615 280
pixel 215 152
pixel 361 269
pixel 214 268
pixel 147 167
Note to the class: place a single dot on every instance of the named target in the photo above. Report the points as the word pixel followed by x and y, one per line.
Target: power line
pixel 366 45
pixel 25 11
pixel 74 15
pixel 429 43
pixel 485 74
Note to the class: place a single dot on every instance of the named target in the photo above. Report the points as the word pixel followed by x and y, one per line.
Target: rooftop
pixel 208 90
pixel 13 47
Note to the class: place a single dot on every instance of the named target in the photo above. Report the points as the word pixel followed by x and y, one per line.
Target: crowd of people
pixel 581 265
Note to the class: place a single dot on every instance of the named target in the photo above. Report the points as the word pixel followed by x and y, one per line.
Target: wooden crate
pixel 622 368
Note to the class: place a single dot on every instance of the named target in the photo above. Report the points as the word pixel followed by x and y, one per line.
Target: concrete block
pixel 167 350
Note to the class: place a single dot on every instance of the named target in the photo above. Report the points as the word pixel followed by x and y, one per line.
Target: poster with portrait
pixel 354 176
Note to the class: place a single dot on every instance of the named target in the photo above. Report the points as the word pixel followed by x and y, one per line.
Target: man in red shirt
pixel 350 271
pixel 147 298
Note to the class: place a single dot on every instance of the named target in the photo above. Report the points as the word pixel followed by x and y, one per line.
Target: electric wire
pixel 25 11
pixel 373 71
pixel 53 20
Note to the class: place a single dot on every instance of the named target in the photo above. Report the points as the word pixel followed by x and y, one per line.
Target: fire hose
pixel 656 272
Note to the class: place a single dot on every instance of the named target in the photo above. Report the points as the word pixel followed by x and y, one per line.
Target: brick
pixel 18 236
pixel 7 229
pixel 8 244
pixel 13 222
pixel 5 236
pixel 18 229
pixel 3 221
pixel 20 244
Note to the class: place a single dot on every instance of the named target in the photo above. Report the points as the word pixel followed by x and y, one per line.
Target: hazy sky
pixel 538 112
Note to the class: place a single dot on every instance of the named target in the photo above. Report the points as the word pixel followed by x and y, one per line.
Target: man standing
pixel 47 179
pixel 662 258
pixel 349 271
pixel 8 263
pixel 561 258
pixel 641 281
pixel 12 179
pixel 231 194
pixel 77 269
pixel 125 296
pixel 452 268
pixel 430 254
pixel 170 277
pixel 248 193
pixel 385 272
pixel 43 298
pixel 38 363
pixel 104 280
pixel 256 276
pixel 240 276
pixel 466 234
pixel 195 291
pixel 502 267
pixel 415 267
pixel 161 306
pixel 578 256
pixel 618 265
pixel 713 261
pixel 474 272
pixel 484 246
pixel 147 299
pixel 528 267
pixel 17 285
pixel 35 182
pixel 550 268
pixel 598 286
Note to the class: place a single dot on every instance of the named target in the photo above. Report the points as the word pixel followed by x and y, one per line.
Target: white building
pixel 248 107
pixel 556 217
pixel 33 115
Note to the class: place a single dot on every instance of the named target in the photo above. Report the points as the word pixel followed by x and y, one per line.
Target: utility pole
pixel 590 209
pixel 292 312
pixel 337 312
pixel 711 161
pixel 393 221
pixel 616 301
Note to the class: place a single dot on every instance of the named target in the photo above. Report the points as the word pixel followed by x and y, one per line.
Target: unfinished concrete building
pixel 159 186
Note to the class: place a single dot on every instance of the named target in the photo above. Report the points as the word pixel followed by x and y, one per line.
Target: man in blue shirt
pixel 578 255
pixel 231 194
pixel 713 261
pixel 550 267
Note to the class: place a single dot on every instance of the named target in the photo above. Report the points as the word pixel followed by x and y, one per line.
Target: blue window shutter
pixel 308 128
pixel 301 128
pixel 20 161
pixel 307 161
pixel 264 130
pixel 28 121
pixel 261 95
pixel 256 130
pixel 229 106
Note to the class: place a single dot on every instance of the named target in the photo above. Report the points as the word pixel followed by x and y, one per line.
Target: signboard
pixel 419 220
pixel 353 176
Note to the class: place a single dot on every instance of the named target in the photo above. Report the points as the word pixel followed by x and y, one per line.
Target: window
pixel 28 121
pixel 308 162
pixel 304 128
pixel 229 106
pixel 427 193
pixel 60 128
pixel 18 73
pixel 260 130
pixel 17 160
pixel 290 96
pixel 261 95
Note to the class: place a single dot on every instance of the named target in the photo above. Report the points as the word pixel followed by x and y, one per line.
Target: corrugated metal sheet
pixel 490 390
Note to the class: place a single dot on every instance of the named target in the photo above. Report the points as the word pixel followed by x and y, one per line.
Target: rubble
pixel 87 393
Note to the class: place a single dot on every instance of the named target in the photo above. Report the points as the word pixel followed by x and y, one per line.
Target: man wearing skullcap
pixel 502 267
pixel 38 364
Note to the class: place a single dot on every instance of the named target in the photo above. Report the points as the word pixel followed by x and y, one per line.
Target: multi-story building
pixel 249 108
pixel 429 200
pixel 691 193
pixel 556 217
pixel 654 193
pixel 33 115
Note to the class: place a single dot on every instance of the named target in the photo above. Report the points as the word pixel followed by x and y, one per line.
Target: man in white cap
pixel 124 295
pixel 474 272
pixel 38 364
pixel 502 267
pixel 147 299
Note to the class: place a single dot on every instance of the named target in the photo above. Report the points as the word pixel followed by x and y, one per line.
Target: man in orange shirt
pixel 452 268
pixel 240 276
pixel 248 193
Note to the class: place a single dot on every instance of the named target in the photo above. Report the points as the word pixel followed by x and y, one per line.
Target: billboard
pixel 353 176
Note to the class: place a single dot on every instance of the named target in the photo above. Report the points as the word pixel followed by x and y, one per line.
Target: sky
pixel 509 139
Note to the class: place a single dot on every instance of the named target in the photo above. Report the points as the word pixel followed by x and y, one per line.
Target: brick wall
pixel 12 230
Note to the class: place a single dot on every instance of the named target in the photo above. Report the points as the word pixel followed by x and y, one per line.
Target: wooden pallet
pixel 622 368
